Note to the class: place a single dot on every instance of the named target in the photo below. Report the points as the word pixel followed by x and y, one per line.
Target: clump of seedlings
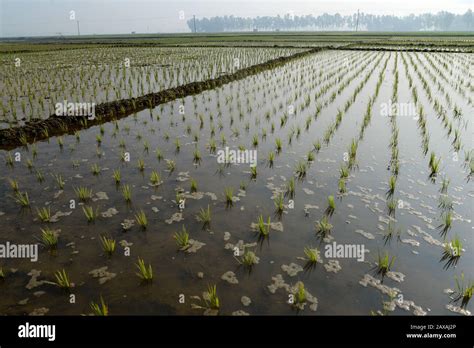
pixel 22 199
pixel 59 180
pixel 127 193
pixel 271 158
pixel 323 226
pixel 14 185
pixel 108 245
pixel 117 176
pixel 384 263
pixel 248 258
pixel 182 239
pixel 212 300
pixel 194 187
pixel 279 204
pixel 144 273
pixel 49 238
pixel 90 213
pixel 95 169
pixel 312 255
pixel 447 222
pixel 204 216
pixel 83 193
pixel 464 290
pixel 300 294
pixel 290 187
pixel 44 214
pixel 391 185
pixel 62 280
pixel 262 228
pixel 155 178
pixel 434 165
pixel 100 309
pixel 229 196
pixel 253 172
pixel 331 206
pixel 301 170
pixel 141 219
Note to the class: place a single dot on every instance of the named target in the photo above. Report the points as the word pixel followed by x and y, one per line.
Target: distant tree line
pixel 442 21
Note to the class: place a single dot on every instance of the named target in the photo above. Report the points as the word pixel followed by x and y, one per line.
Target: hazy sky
pixel 51 17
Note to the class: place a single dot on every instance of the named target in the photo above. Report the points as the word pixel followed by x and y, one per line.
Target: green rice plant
pixel 182 239
pixel 101 309
pixel 62 280
pixel 248 258
pixel 384 263
pixel 117 176
pixel 44 214
pixel 29 164
pixel 95 169
pixel 323 226
pixel 204 216
pixel 59 180
pixel 243 186
pixel 39 176
pixel 331 205
pixel 391 206
pixel 391 185
pixel 141 219
pixel 434 165
pixel 342 186
pixel 301 170
pixel 310 156
pixel 212 300
pixel 197 156
pixel 447 222
pixel 90 213
pixel 22 198
pixel 344 172
pixel 253 172
pixel 279 204
pixel 271 158
pixel 317 145
pixel 290 187
pixel 60 142
pixel 108 245
pixel 444 186
pixel 312 255
pixel 98 137
pixel 453 249
pixel 49 238
pixel 171 165
pixel 445 202
pixel 278 144
pixel 155 178
pixel 464 290
pixel 262 228
pixel 127 193
pixel 212 146
pixel 194 187
pixel 9 159
pixel 144 272
pixel 177 144
pixel 300 295
pixel 255 140
pixel 83 193
pixel 229 195
pixel 159 155
pixel 14 184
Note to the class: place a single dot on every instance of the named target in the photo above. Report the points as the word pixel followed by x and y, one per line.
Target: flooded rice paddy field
pixel 32 83
pixel 400 186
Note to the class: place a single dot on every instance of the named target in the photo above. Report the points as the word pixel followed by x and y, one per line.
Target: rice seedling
pixel 155 178
pixel 279 204
pixel 255 140
pixel 108 245
pixel 342 186
pixel 49 238
pixel 271 158
pixel 243 186
pixel 14 185
pixel 312 255
pixel 127 193
pixel 301 170
pixel 391 185
pixel 310 157
pixel 211 299
pixel 9 159
pixel 22 198
pixel 317 145
pixel 444 186
pixel 144 273
pixel 212 146
pixel 290 187
pixel 204 216
pixel 323 226
pixel 117 176
pixel 344 172
pixel 90 213
pixel 101 309
pixel 171 165
pixel 83 193
pixel 39 176
pixel 391 206
pixel 331 205
pixel 248 258
pixel 182 239
pixel 95 169
pixel 445 203
pixel 141 219
pixel 229 196
pixel 300 294
pixel 464 290
pixel 278 144
pixel 159 155
pixel 391 232
pixel 447 222
pixel 59 181
pixel 62 280
pixel 384 263
pixel 434 165
pixel 262 228
pixel 44 214
pixel 194 187
pixel 253 172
